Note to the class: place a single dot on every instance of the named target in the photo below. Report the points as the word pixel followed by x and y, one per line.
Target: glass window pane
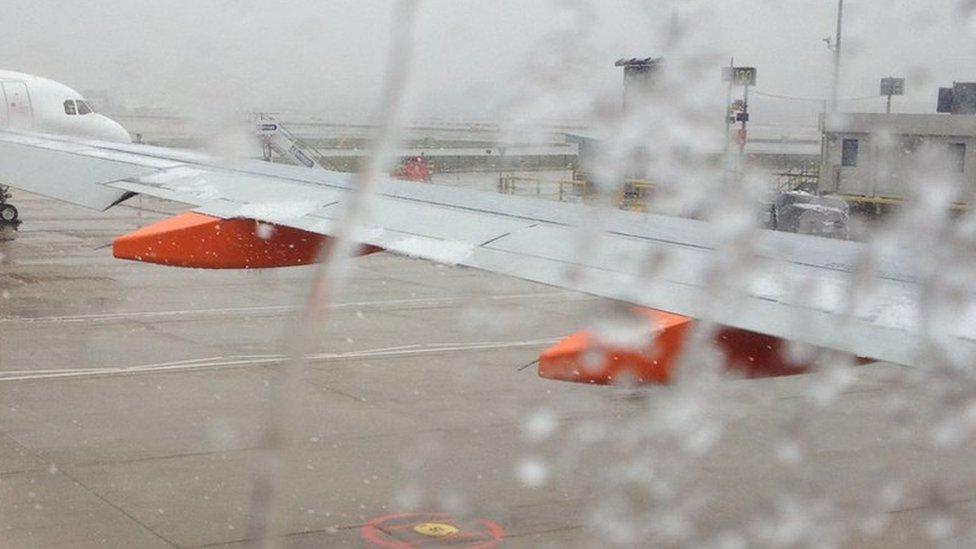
pixel 957 155
pixel 69 107
pixel 849 153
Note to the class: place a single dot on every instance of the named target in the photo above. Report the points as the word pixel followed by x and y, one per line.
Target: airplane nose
pixel 113 131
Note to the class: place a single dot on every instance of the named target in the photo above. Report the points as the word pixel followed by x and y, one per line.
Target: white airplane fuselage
pixel 33 104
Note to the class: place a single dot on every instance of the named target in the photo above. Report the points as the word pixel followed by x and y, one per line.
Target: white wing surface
pixel 799 288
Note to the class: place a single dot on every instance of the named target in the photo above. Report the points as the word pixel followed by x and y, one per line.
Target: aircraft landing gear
pixel 9 218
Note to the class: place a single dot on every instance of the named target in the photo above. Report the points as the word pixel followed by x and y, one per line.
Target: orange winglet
pixel 580 358
pixel 200 241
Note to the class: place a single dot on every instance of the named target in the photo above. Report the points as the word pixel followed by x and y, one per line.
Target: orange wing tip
pixel 582 359
pixel 201 241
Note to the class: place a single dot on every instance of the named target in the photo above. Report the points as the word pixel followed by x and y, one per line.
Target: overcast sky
pixel 327 56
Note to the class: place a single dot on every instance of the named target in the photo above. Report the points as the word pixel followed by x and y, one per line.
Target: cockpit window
pixel 69 107
pixel 83 107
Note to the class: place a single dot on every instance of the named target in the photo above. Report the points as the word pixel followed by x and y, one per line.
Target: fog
pixel 327 57
pixel 372 399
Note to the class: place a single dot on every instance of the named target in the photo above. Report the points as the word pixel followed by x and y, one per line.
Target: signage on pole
pixel 744 76
pixel 892 86
pixel 740 76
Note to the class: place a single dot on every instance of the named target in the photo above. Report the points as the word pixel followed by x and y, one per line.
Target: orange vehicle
pixel 416 168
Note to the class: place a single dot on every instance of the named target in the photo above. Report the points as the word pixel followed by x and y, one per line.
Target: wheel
pixel 8 213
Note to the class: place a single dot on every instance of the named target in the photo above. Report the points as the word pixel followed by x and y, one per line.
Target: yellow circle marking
pixel 435 529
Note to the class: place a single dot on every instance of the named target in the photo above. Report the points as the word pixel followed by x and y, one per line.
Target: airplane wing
pixel 800 290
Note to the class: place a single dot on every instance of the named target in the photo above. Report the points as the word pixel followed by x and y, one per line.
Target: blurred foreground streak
pixel 716 297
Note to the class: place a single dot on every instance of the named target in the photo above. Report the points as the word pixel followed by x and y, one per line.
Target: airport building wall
pixel 884 155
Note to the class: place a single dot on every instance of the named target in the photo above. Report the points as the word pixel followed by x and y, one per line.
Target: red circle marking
pixel 395 532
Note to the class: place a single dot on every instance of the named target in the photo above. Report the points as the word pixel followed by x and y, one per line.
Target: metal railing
pixel 797 179
pixel 276 137
pixel 633 194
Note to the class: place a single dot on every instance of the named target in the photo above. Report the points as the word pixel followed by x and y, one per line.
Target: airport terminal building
pixel 876 155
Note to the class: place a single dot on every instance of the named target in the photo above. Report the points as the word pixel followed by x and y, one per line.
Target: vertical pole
pixel 822 168
pixel 837 43
pixel 729 162
pixel 743 135
pixel 888 108
pixel 728 104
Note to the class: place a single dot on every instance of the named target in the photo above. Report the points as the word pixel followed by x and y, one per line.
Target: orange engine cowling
pixel 200 241
pixel 583 359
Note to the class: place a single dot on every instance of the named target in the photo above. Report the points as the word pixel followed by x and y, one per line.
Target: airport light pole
pixel 837 41
pixel 738 111
pixel 728 104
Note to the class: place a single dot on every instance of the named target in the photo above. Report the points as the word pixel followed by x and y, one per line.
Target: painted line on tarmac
pixel 228 311
pixel 215 363
pixel 4 373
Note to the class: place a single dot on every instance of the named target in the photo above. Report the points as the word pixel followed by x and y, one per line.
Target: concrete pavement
pixel 133 400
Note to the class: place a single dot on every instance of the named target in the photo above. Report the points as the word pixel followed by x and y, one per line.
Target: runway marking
pixel 243 361
pixel 436 529
pixel 411 530
pixel 72 370
pixel 183 313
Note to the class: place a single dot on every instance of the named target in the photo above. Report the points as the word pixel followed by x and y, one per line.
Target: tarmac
pixel 135 401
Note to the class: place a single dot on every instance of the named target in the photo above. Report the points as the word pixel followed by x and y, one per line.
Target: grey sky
pixel 327 56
